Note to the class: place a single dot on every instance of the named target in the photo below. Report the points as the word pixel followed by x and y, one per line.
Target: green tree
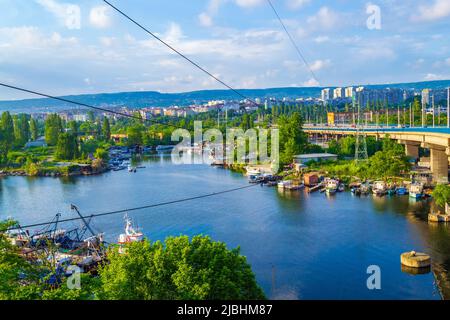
pixel 73 127
pixel 53 128
pixel 7 126
pixel 34 130
pixel 178 269
pixel 67 147
pixel 293 140
pixel 15 270
pixel 441 195
pixel 91 116
pixel 106 129
pixel 135 135
pixel 101 154
pixel 21 130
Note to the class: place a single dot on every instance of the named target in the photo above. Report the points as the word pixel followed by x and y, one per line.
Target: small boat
pixel 253 171
pixel 131 169
pixel 164 148
pixel 290 185
pixel 255 178
pixel 391 191
pixel 283 184
pixel 401 191
pixel 131 234
pixel 416 191
pixel 331 186
pixel 341 187
pixel 379 188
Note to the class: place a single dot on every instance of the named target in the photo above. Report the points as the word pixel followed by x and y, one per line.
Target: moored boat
pixel 401 191
pixel 379 188
pixel 331 186
pixel 131 233
pixel 416 191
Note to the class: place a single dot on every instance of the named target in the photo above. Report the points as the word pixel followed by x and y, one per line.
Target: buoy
pixel 415 259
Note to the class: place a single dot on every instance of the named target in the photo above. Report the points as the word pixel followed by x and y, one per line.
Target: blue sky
pixel 71 47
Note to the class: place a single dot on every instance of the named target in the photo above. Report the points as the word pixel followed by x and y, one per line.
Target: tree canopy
pixel 178 269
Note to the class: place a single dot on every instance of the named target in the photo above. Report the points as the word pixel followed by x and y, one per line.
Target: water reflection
pixel 320 246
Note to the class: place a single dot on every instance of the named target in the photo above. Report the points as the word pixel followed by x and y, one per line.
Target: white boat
pixel 131 168
pixel 252 171
pixel 164 148
pixel 290 185
pixel 284 184
pixel 379 188
pixel 331 186
pixel 416 190
pixel 131 234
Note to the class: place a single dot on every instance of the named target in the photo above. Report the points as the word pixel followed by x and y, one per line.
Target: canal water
pixel 300 246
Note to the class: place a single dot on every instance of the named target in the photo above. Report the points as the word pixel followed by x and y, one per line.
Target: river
pixel 300 245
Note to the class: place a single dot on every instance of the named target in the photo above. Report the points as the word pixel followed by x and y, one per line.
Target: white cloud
pixel 205 19
pixel 174 33
pixel 321 39
pixel 297 4
pixel 68 14
pixel 433 76
pixel 438 10
pixel 31 37
pixel 320 64
pixel 374 51
pixel 325 18
pixel 249 3
pixel 311 83
pixel 100 17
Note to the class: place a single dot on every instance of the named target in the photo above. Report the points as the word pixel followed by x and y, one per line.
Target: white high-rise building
pixel 426 96
pixel 327 94
pixel 349 92
pixel 338 93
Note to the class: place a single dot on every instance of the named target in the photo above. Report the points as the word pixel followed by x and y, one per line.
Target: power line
pixel 131 209
pixel 195 64
pixel 292 41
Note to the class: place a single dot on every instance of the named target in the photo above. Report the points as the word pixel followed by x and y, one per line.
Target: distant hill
pixel 152 98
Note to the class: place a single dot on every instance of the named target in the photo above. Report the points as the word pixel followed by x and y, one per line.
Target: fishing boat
pixel 331 186
pixel 416 191
pixel 379 188
pixel 131 233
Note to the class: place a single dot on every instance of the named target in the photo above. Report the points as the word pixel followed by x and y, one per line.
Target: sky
pixel 65 47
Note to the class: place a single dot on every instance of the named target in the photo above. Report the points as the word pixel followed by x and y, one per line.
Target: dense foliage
pixel 441 194
pixel 177 269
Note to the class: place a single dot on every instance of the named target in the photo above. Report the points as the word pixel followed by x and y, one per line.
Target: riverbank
pixel 72 170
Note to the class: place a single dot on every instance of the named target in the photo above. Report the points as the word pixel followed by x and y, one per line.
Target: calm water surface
pixel 300 246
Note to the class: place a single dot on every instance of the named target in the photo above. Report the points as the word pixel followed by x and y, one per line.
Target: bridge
pixel 436 139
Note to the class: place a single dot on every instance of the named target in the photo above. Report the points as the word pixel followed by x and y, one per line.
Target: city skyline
pixel 239 41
